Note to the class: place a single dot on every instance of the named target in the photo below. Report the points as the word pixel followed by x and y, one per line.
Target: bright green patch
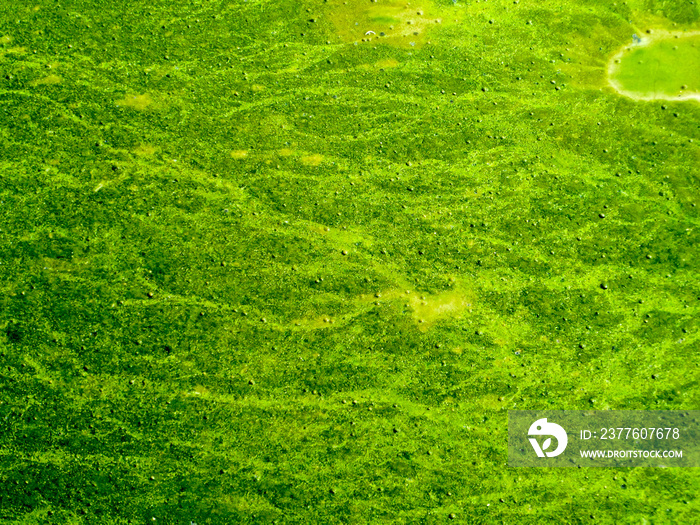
pixel 666 67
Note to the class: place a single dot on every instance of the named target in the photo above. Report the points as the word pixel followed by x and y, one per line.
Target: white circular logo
pixel 542 428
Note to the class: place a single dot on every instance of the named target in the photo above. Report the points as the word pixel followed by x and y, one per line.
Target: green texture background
pixel 210 216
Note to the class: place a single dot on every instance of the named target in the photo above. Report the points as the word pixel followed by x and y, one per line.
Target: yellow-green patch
pixel 138 102
pixel 427 309
pixel 311 160
pixel 239 154
pixel 144 150
pixel 664 66
pixel 51 79
pixel 392 22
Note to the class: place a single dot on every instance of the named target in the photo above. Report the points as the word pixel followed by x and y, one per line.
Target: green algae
pixel 210 216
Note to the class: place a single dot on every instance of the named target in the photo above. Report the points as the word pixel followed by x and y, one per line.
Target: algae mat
pixel 292 262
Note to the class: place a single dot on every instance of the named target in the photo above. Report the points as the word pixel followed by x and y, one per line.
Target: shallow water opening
pixel 662 66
